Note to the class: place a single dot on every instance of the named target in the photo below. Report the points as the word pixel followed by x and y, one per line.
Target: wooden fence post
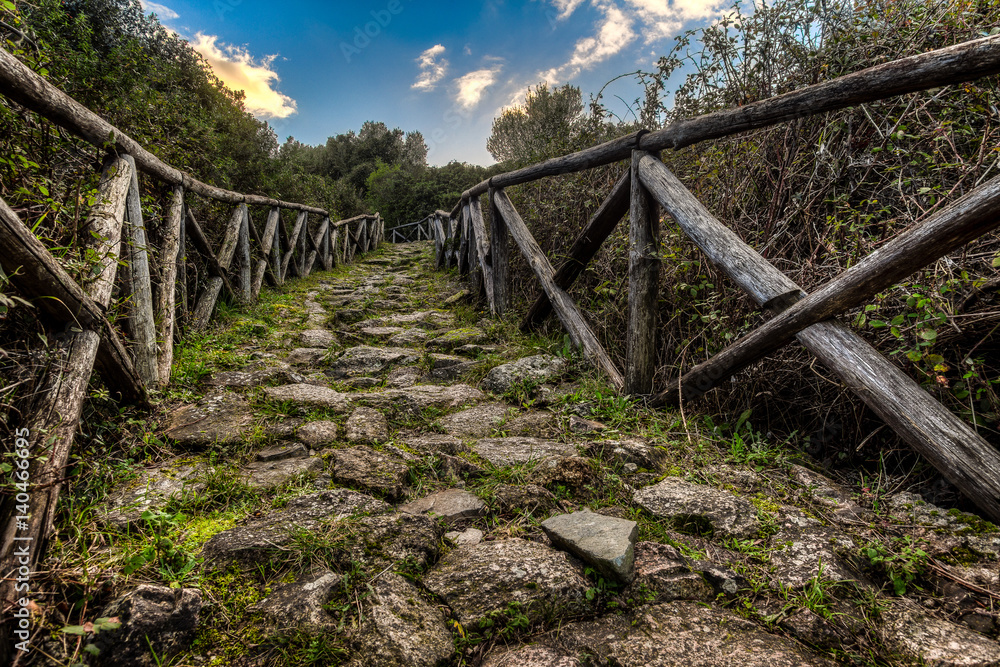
pixel 243 256
pixel 141 319
pixel 182 277
pixel 54 423
pixel 499 258
pixel 166 306
pixel 643 284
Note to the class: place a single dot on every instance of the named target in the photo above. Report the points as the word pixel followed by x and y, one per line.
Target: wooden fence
pixel 956 450
pixel 246 257
pixel 414 231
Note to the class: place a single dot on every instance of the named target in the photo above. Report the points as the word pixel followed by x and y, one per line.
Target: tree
pixel 547 124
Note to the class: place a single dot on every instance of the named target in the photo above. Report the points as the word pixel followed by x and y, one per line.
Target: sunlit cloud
pixel 472 86
pixel 566 7
pixel 162 11
pixel 614 33
pixel 236 68
pixel 432 68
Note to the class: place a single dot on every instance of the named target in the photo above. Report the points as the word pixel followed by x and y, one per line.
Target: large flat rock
pixel 924 639
pixel 534 370
pixel 401 628
pixel 477 422
pixel 310 395
pixel 221 417
pixel 418 397
pixel 605 542
pixel 518 451
pixel 804 550
pixel 364 468
pixel 180 477
pixel 487 578
pixel 693 635
pixel 450 505
pixel 674 498
pixel 364 361
pixel 247 544
pixel 299 604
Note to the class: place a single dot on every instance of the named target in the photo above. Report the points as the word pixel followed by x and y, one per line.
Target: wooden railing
pixel 955 449
pixel 131 367
pixel 415 231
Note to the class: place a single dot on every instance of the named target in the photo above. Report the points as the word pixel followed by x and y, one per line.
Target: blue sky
pixel 317 69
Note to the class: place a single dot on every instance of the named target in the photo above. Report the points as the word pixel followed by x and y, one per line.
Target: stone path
pixel 413 511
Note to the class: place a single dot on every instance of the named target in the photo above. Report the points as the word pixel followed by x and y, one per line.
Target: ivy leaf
pixel 928 334
pixel 74 630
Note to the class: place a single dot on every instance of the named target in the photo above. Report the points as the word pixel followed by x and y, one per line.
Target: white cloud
pixel 236 68
pixel 665 20
pixel 614 33
pixel 566 7
pixel 162 11
pixel 473 85
pixel 432 69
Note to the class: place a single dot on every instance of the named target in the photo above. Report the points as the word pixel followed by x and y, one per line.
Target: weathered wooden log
pixel 499 259
pixel 482 251
pixel 293 243
pixel 303 253
pixel 643 287
pixel 166 305
pixel 334 247
pixel 37 275
pixel 325 242
pixel 182 277
pixel 570 316
pixel 948 443
pixel 52 425
pixel 962 221
pixel 204 248
pixel 141 318
pixel 242 256
pixel 30 90
pixel 439 240
pixel 463 248
pixel 590 240
pixel 205 306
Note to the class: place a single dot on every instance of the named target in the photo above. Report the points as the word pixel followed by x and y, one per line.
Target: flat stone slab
pixel 916 635
pixel 153 619
pixel 640 453
pixel 177 478
pixel 409 337
pixel 367 426
pixel 222 418
pixel 537 369
pixel 401 628
pixel 456 338
pixel 306 356
pixel 364 361
pixel 427 319
pixel 469 537
pixel 518 451
pixel 607 543
pixel 281 451
pixel 680 500
pixel 317 338
pixel 802 545
pixel 382 332
pixel 693 635
pixel 244 379
pixel 318 434
pixel 300 604
pixel 404 376
pixel 451 505
pixel 477 422
pixel 367 469
pixel 247 544
pixel 487 578
pixel 418 397
pixel 530 656
pixel 310 395
pixel 660 569
pixel 269 474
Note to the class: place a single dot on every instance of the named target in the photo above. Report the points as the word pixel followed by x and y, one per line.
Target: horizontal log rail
pixel 479 249
pixel 139 363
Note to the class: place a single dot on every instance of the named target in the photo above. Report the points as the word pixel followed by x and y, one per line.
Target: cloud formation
pixel 163 12
pixel 236 68
pixel 614 33
pixel 432 69
pixel 473 85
